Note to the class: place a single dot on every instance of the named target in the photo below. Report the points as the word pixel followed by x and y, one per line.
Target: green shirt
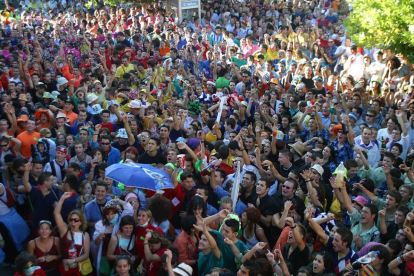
pixel 378 176
pixel 371 235
pixel 239 62
pixel 207 262
pixel 362 172
pixel 381 205
pixel 222 82
pixel 228 256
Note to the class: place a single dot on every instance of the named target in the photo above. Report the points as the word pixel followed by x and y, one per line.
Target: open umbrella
pixel 139 175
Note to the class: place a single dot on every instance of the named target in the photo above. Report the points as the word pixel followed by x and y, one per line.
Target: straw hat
pixel 299 148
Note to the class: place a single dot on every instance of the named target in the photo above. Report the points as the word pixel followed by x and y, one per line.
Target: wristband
pixel 274 134
pixel 293 227
pixel 399 260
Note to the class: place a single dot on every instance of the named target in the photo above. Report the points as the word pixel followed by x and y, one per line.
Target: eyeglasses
pixel 286 187
pixel 331 42
pixel 4 146
pixel 245 76
pixel 319 142
pixel 74 220
pixel 144 136
pixel 105 144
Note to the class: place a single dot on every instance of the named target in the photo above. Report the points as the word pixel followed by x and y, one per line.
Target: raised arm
pixel 202 227
pixel 296 233
pixel 61 225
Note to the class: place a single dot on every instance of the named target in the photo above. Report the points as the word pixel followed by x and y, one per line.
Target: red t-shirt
pixel 109 126
pixel 153 267
pixel 140 232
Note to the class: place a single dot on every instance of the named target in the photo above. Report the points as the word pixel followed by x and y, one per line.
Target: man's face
pixel 227 232
pixel 31 125
pixel 164 132
pixel 287 189
pixel 366 215
pixel 399 217
pixel 218 178
pixel 261 188
pixel 247 181
pixel 283 159
pixel 105 118
pixel 249 143
pixel 60 156
pixel 396 135
pixel 100 192
pixel 152 146
pixel 337 243
pixel 37 169
pixel 405 194
pixel 370 118
pixel 82 116
pixel 68 107
pixel 366 135
pixel 106 144
pixel 79 149
pixel 390 202
pixel 187 183
pixel 387 161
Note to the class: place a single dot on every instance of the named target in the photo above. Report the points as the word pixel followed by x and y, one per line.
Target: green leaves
pixel 385 24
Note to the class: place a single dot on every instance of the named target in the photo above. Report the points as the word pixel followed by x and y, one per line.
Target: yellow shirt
pixel 212 138
pixel 122 70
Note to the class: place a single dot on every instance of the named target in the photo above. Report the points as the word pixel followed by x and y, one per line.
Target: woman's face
pixel 110 216
pixel 45 230
pixel 74 222
pixel 98 155
pixel 292 133
pixel 127 229
pixel 41 147
pixel 267 149
pixel 326 152
pixel 198 211
pixel 69 140
pixel 154 246
pixel 122 267
pixel 318 264
pixel 87 189
pixel 257 116
pixel 142 217
pixel 400 236
pixel 285 122
pixel 61 140
pixel 130 155
pixel 43 118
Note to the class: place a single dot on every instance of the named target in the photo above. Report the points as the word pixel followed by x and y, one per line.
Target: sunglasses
pixel 370 115
pixel 74 220
pixel 286 187
pixel 4 146
pixel 105 144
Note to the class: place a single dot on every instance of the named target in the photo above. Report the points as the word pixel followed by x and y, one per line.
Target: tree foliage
pixel 385 24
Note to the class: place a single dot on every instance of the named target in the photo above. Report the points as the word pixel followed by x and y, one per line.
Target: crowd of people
pixel 289 147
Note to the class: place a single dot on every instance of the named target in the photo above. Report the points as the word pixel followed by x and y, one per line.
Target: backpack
pixel 11 199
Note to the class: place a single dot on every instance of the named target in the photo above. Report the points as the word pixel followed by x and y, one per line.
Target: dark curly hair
pixel 22 260
pixel 160 208
pixel 253 214
pixel 197 203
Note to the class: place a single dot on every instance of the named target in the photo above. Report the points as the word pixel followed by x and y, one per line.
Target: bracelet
pixel 399 260
pixel 293 227
pixel 242 149
pixel 308 180
pixel 275 264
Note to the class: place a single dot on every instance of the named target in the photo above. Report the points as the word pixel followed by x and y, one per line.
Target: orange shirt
pixel 72 117
pixel 27 141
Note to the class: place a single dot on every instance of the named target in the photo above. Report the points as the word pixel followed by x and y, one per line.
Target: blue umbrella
pixel 142 176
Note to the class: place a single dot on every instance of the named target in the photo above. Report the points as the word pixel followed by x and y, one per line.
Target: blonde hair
pixel 79 213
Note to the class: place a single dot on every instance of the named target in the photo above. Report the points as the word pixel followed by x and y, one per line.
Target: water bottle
pixel 207 170
pixel 365 259
pixel 383 143
pixel 340 175
pixel 71 255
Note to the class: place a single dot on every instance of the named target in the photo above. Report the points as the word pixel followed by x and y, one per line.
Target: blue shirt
pixel 68 206
pixel 323 134
pixel 346 152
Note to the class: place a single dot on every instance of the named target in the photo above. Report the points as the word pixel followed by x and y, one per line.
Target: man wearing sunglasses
pixel 289 189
